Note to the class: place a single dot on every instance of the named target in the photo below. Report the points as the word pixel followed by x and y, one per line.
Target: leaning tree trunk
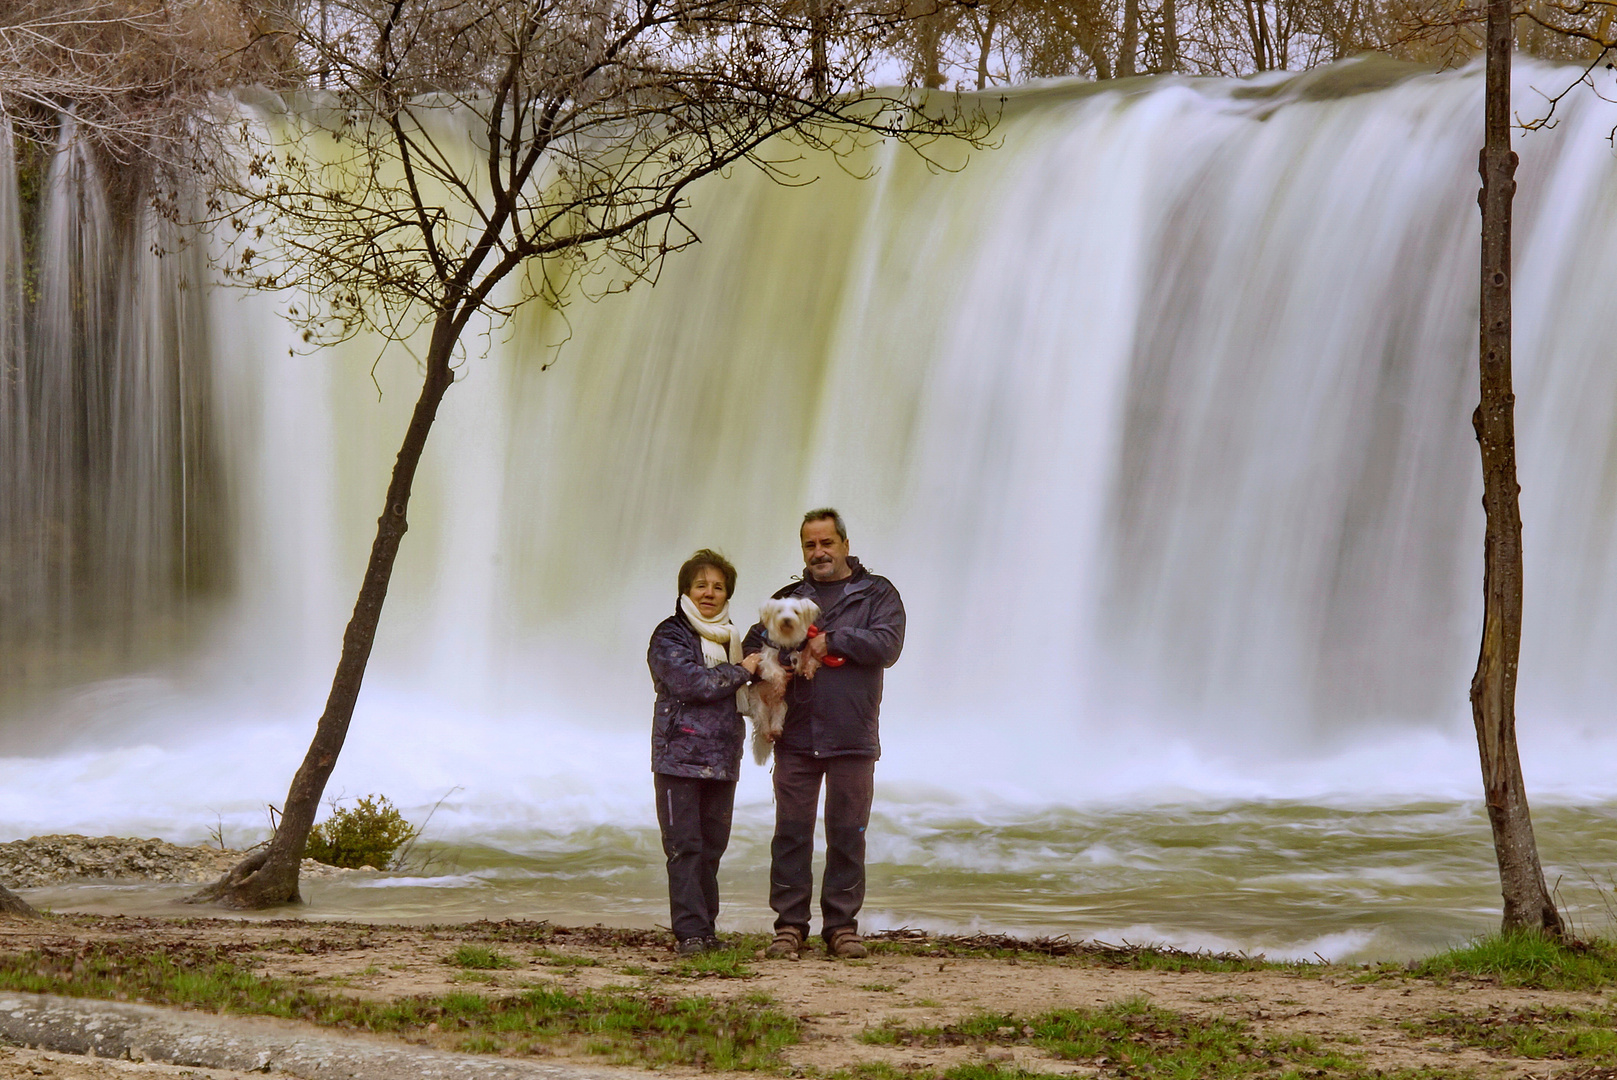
pixel 1528 905
pixel 270 876
pixel 12 904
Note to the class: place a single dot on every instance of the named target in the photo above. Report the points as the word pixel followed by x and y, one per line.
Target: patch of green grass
pixel 881 1070
pixel 720 963
pixel 1527 960
pixel 879 987
pixel 1062 950
pixel 1153 959
pixel 555 959
pixel 886 1033
pixel 634 969
pixel 989 1071
pixel 1133 1037
pixel 479 957
pixel 1529 1033
pixel 624 1025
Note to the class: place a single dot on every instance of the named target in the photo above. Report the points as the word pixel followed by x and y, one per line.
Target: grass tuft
pixel 1130 1038
pixel 555 959
pixel 1530 960
pixel 1559 1033
pixel 479 958
pixel 720 964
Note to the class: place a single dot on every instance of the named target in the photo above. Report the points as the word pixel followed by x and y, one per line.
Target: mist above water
pixel 1157 415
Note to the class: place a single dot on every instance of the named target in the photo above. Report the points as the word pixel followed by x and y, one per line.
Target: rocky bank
pixel 53 860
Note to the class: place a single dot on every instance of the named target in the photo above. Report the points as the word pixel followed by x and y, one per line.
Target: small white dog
pixel 786 623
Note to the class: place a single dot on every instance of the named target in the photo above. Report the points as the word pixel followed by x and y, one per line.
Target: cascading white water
pixel 108 486
pixel 1158 415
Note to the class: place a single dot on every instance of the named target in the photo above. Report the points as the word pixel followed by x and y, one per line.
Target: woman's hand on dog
pixel 751 662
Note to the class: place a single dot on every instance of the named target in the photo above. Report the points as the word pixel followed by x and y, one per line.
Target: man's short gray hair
pixel 826 513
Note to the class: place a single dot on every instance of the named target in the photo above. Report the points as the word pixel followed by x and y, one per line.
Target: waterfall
pixel 107 462
pixel 1157 414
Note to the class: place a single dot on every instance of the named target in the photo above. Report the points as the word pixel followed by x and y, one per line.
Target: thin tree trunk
pixel 819 66
pixel 1170 37
pixel 12 904
pixel 932 48
pixel 1259 56
pixel 1528 905
pixel 1265 39
pixel 1130 46
pixel 986 43
pixel 1094 47
pixel 270 876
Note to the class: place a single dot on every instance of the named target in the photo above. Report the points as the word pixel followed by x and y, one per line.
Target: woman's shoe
pixel 787 944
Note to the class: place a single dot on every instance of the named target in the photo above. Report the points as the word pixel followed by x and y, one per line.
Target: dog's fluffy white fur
pixel 786 623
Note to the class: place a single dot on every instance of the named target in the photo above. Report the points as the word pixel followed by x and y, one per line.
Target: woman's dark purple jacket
pixel 696 730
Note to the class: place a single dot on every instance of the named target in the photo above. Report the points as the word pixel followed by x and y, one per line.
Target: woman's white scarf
pixel 720 642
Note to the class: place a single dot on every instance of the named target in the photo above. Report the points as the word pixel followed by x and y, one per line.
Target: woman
pixel 696 736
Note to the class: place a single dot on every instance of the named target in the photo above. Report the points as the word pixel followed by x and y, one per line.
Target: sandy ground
pixel 836 1000
pixel 20 1063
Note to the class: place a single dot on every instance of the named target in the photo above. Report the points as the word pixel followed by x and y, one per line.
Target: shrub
pixel 366 835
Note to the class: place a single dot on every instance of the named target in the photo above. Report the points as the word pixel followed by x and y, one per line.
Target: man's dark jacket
pixel 696 729
pixel 836 712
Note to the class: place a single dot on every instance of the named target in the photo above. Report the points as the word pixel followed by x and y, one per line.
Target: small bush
pixel 366 835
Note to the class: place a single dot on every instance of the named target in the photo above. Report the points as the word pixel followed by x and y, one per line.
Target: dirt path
pixel 838 1001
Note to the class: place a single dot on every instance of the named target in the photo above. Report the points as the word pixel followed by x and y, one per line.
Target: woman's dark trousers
pixel 694 816
pixel 849 788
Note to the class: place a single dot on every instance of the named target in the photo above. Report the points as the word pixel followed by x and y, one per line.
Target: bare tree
pixel 475 155
pixel 133 73
pixel 1528 905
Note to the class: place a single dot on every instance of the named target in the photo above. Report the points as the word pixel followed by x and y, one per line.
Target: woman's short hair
pixel 707 557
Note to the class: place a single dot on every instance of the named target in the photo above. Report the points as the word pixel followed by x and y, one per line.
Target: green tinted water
pixel 1287 879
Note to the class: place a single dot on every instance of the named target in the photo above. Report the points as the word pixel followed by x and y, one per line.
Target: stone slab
pixel 204 1040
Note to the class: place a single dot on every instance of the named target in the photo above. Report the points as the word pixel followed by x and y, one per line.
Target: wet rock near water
pixel 55 860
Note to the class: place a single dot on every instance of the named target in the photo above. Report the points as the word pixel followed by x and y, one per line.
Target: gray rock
pixel 202 1040
pixel 53 860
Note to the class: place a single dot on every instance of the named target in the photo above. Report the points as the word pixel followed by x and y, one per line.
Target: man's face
pixel 824 552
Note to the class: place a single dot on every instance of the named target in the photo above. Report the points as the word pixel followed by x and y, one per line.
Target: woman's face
pixel 708 592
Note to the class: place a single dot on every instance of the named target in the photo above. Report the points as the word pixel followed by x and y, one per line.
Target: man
pixel 830 734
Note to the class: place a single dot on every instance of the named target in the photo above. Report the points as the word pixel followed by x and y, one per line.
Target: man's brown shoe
pixel 845 944
pixel 787 944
